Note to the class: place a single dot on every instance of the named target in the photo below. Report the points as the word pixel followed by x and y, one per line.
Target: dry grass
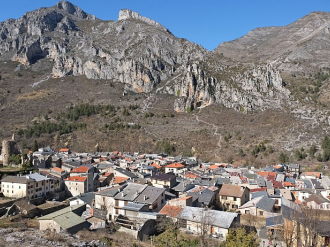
pixel 35 95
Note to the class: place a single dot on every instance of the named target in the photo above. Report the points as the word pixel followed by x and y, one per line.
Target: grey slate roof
pixel 308 184
pixel 258 193
pixel 274 221
pixel 149 195
pixel 203 198
pixel 266 204
pixel 126 173
pixel 212 217
pixel 326 182
pixel 182 187
pixel 111 192
pixel 87 197
pixel 130 192
pixel 15 179
pixel 132 206
pixel 316 184
pixel 164 177
pixel 261 182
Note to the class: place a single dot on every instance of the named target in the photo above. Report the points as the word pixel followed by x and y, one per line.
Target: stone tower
pixel 8 149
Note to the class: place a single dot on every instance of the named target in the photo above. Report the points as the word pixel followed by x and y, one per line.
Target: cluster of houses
pixel 137 191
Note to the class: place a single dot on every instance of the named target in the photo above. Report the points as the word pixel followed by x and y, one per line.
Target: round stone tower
pixel 8 149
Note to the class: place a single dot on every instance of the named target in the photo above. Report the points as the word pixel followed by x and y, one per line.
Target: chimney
pixel 145 198
pixel 122 194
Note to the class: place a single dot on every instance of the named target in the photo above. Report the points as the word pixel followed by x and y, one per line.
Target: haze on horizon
pixel 207 23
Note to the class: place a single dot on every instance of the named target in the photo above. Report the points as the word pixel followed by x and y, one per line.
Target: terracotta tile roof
pixel 76 178
pixel 277 167
pixel 171 211
pixel 231 190
pixel 288 184
pixel 316 174
pixel 175 165
pixel 128 159
pixel 64 150
pixel 265 174
pixel 155 165
pixel 57 169
pixel 212 167
pixel 119 180
pixel 277 184
pixel 79 169
pixel 258 189
pixel 191 175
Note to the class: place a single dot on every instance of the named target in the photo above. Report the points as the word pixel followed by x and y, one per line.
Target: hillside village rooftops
pixel 76 179
pixel 149 195
pixel 37 177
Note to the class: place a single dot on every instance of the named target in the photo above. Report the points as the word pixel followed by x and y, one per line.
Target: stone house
pixel 201 221
pixel 231 197
pixel 167 180
pixel 76 185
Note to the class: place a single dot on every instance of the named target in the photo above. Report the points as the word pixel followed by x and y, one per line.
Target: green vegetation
pixel 35 146
pixel 325 145
pixel 283 158
pixel 165 146
pixel 189 109
pixel 259 148
pixel 240 238
pixel 126 112
pixel 15 159
pixel 76 112
pixel 178 92
pixel 227 137
pixel 172 237
pixel 312 150
pixel 300 154
pixel 37 129
pixel 117 125
pixel 148 114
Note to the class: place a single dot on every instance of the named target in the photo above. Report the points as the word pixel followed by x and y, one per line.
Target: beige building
pixel 231 197
pixel 30 186
pixel 76 185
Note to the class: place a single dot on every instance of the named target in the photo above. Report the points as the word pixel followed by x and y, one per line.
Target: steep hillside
pixel 70 79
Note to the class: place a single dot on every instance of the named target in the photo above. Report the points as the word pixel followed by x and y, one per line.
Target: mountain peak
pixel 129 14
pixel 74 10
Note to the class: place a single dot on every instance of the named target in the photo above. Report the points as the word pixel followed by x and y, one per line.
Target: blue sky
pixel 208 22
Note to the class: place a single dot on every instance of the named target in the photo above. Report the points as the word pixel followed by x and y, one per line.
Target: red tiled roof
pixel 57 169
pixel 64 150
pixel 212 167
pixel 288 184
pixel 171 211
pixel 155 165
pixel 80 169
pixel 191 175
pixel 76 178
pixel 258 189
pixel 119 180
pixel 265 174
pixel 277 184
pixel 175 165
pixel 316 174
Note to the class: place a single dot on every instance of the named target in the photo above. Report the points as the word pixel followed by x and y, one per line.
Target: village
pixel 133 192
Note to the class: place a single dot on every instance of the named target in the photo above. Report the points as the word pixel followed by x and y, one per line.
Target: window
pixel 235 199
pixel 247 211
pixel 19 187
pixel 7 185
pixel 224 197
pixel 234 206
pixel 261 213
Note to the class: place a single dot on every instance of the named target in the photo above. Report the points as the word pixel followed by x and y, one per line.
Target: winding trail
pixel 38 82
pixel 215 133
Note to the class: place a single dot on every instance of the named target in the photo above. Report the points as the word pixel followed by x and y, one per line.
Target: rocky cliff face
pixel 143 55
